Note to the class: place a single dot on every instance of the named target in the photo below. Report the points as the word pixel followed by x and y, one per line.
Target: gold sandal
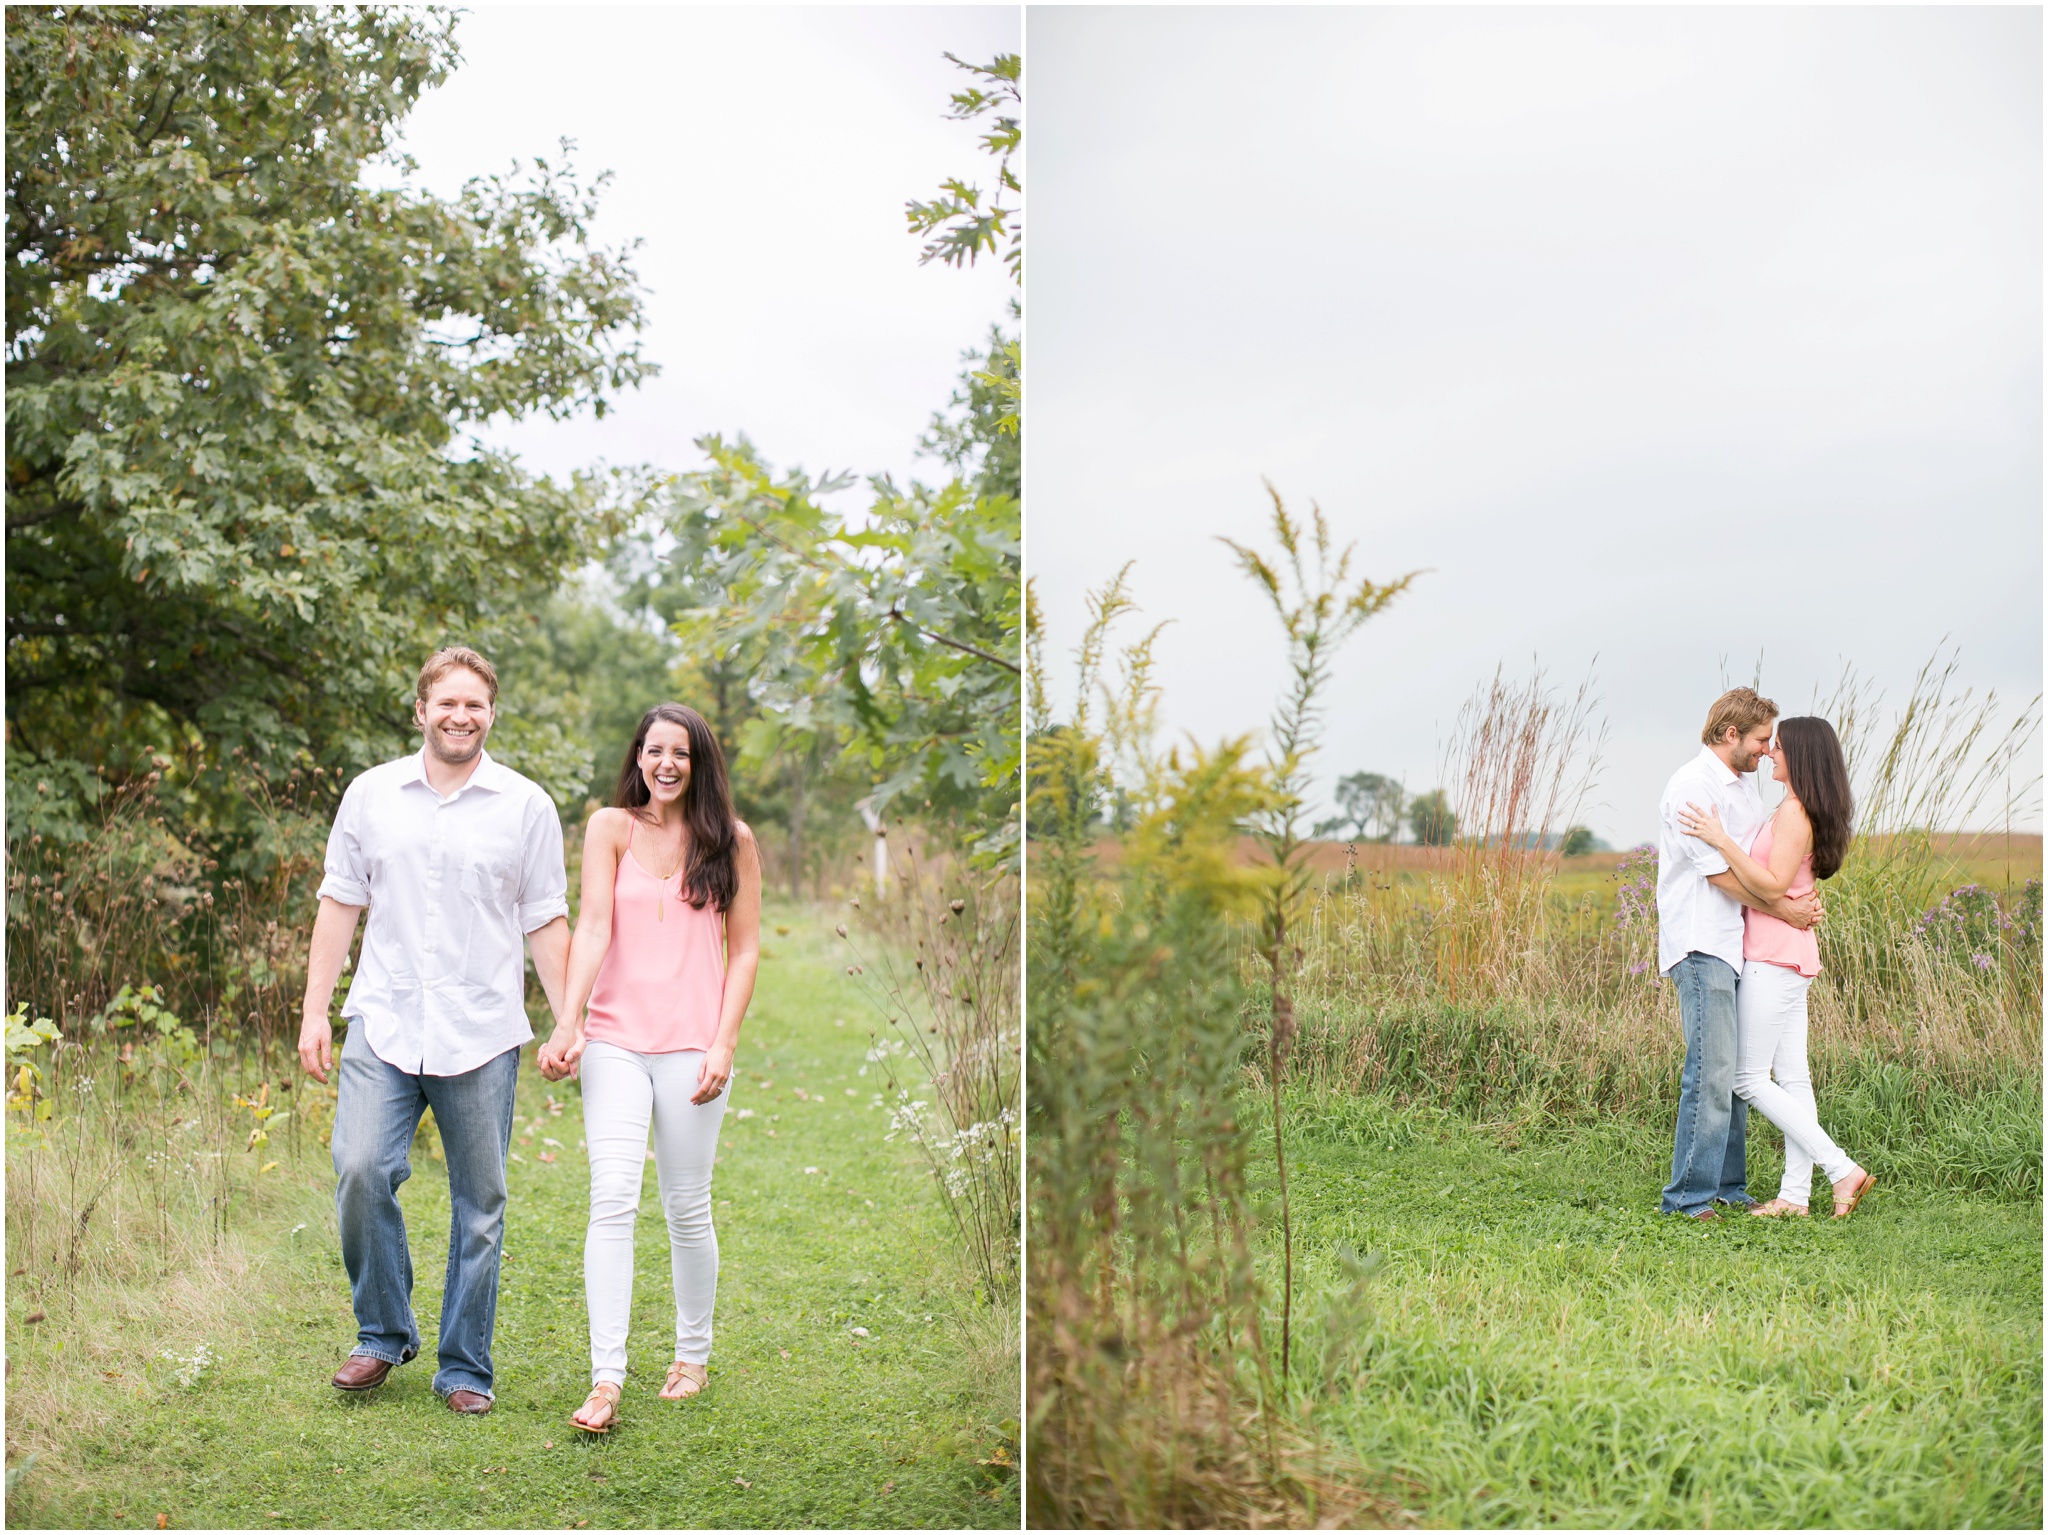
pixel 685 1380
pixel 1863 1185
pixel 605 1395
pixel 1778 1207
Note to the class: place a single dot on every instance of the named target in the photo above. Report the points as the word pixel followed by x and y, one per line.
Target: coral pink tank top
pixel 663 978
pixel 1769 939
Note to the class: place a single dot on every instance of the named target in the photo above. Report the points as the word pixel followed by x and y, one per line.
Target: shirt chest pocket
pixel 490 876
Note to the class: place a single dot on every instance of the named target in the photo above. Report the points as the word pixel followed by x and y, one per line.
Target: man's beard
pixel 441 746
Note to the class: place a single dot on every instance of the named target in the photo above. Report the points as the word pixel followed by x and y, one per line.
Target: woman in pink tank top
pixel 661 969
pixel 1808 836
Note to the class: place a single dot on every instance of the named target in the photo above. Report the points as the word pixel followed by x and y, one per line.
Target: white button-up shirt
pixel 453 886
pixel 1692 916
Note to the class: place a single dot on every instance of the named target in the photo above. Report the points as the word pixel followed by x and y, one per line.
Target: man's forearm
pixel 550 948
pixel 1728 884
pixel 334 929
pixel 1781 907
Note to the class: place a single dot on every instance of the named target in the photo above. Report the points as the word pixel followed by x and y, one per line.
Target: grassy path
pixel 823 1227
pixel 1538 1347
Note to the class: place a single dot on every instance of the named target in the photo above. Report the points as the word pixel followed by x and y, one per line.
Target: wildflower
pixel 189 1370
pixel 1981 961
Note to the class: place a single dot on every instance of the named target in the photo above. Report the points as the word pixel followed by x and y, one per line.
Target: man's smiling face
pixel 1743 758
pixel 456 715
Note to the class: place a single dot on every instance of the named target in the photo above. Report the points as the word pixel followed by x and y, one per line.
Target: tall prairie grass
pixel 942 968
pixel 152 985
pixel 1484 988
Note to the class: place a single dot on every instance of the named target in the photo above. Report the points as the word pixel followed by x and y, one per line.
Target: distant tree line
pixel 1375 808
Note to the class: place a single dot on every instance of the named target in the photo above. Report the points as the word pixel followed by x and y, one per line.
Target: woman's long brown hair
pixel 1820 778
pixel 710 872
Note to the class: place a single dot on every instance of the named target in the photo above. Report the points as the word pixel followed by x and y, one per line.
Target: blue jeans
pixel 374 1120
pixel 1709 1154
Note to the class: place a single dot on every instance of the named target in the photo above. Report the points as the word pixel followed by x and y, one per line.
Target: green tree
pixel 1578 840
pixel 891 639
pixel 239 507
pixel 962 231
pixel 884 648
pixel 1371 806
pixel 586 670
pixel 965 223
pixel 1432 820
pixel 979 436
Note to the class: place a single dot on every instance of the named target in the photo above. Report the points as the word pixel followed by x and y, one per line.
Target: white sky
pixel 1664 335
pixel 764 157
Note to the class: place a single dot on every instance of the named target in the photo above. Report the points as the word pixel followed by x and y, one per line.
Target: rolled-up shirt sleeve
pixel 1699 853
pixel 543 877
pixel 346 880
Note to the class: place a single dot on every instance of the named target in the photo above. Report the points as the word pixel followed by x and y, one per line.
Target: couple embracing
pixel 1736 908
pixel 458 859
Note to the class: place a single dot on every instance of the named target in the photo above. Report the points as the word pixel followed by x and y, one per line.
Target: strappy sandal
pixel 1778 1207
pixel 685 1380
pixel 1864 1184
pixel 606 1395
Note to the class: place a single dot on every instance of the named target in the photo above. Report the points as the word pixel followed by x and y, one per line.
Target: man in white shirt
pixel 457 858
pixel 1699 945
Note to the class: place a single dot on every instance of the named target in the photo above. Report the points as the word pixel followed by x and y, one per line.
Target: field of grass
pixel 823 1228
pixel 1993 859
pixel 1535 1345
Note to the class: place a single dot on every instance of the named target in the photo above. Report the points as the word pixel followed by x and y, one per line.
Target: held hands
pixel 1705 825
pixel 716 1072
pixel 1803 911
pixel 562 1052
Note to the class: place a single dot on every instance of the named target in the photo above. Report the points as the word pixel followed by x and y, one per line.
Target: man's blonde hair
pixel 446 660
pixel 1740 707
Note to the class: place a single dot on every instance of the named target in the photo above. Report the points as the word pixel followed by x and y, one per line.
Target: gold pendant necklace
pixel 661 893
pixel 661 884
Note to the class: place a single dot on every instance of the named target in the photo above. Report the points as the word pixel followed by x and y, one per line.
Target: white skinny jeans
pixel 1770 1031
pixel 622 1090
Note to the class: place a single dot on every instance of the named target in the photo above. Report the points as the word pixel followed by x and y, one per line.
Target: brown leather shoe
pixel 362 1372
pixel 1708 1214
pixel 469 1401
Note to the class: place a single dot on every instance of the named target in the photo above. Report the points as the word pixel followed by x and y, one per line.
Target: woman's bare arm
pixel 1791 841
pixel 742 964
pixel 604 843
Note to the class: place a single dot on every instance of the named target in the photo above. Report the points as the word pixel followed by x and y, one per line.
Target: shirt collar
pixel 1722 771
pixel 490 774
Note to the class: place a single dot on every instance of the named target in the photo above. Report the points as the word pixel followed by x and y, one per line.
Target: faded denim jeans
pixel 374 1120
pixel 1708 1156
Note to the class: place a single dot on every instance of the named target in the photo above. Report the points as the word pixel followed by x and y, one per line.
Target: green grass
pixel 803 1424
pixel 1534 1345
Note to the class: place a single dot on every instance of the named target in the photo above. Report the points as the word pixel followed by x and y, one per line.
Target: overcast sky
pixel 764 157
pixel 1665 336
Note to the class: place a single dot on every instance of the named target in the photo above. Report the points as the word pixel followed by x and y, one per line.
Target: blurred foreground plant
pixel 1152 1395
pixel 1318 610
